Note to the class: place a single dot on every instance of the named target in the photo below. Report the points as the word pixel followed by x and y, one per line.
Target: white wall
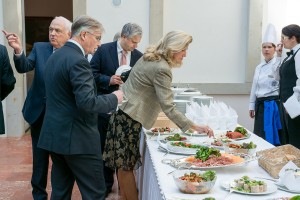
pixel 281 13
pixel 219 30
pixel 113 17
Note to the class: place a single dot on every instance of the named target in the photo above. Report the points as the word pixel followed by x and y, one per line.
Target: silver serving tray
pixel 181 163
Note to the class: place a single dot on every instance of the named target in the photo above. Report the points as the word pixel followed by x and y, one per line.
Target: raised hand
pixel 13 41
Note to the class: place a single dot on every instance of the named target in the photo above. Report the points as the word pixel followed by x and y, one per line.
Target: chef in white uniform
pixel 264 87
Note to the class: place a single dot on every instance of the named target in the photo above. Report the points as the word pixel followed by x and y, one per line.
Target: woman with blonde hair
pixel 147 91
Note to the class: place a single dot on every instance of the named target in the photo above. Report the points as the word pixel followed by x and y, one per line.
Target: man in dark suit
pixel 7 82
pixel 34 106
pixel 69 130
pixel 104 64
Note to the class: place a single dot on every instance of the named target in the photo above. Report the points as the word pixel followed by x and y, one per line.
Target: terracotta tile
pixel 16 169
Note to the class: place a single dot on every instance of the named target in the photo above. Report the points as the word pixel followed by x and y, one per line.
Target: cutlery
pixel 229 193
pixel 270 179
pixel 230 188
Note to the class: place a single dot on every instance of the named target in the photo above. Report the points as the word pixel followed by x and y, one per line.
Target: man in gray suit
pixel 34 106
pixel 69 130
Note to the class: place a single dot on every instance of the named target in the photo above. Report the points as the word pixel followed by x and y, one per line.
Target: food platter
pixel 177 149
pixel 170 132
pixel 223 136
pixel 185 163
pixel 185 147
pixel 271 188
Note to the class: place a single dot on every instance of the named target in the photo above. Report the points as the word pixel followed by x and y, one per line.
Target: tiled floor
pixel 16 168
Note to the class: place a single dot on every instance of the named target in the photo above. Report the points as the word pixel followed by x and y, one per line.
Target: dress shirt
pixel 128 55
pixel 264 83
pixel 76 43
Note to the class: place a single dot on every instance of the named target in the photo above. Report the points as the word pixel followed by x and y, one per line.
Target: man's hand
pixel 279 49
pixel 13 41
pixel 251 113
pixel 115 80
pixel 119 95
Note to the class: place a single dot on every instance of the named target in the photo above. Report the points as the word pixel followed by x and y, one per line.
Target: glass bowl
pixel 192 187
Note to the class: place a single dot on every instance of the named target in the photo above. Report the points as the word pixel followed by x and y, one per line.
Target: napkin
pixel 292 105
pixel 288 178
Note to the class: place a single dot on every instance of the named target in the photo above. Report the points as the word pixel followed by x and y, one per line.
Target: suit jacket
pixel 36 99
pixel 7 82
pixel 104 64
pixel 148 90
pixel 70 122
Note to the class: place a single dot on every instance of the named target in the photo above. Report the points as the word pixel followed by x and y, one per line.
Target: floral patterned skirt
pixel 122 143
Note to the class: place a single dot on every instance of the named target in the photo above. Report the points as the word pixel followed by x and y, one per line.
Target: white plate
pixel 220 136
pixel 173 152
pixel 217 147
pixel 121 69
pixel 271 188
pixel 282 187
pixel 172 132
pixel 182 150
pixel 195 134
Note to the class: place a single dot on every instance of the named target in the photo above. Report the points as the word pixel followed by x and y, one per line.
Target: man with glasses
pixel 104 64
pixel 69 131
pixel 34 106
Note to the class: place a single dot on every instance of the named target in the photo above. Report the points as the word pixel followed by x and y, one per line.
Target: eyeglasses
pixel 284 37
pixel 97 37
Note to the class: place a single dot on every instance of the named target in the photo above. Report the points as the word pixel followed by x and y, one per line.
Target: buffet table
pixel 154 181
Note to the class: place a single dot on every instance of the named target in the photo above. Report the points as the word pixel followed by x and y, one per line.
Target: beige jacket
pixel 148 91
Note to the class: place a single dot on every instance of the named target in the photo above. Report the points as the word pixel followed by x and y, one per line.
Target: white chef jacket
pixel 264 83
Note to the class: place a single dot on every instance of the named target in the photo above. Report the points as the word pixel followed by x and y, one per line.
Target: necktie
pixel 123 58
pixel 290 53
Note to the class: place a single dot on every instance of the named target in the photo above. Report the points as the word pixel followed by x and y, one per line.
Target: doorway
pixel 38 16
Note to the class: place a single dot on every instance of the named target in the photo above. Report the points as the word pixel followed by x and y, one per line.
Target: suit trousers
pixel 86 169
pixel 40 158
pixel 103 121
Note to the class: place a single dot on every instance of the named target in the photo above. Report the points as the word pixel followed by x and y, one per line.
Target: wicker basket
pixel 272 160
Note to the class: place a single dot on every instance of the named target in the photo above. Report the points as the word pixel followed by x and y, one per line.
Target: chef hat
pixel 270 35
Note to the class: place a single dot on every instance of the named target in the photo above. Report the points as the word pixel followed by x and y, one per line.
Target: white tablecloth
pixel 154 183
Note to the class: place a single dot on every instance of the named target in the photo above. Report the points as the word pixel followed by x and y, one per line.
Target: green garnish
pixel 204 152
pixel 209 175
pixel 250 145
pixel 241 130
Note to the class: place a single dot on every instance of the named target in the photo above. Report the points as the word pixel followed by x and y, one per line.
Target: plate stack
pixel 181 105
pixel 205 100
pixel 187 95
pixel 178 90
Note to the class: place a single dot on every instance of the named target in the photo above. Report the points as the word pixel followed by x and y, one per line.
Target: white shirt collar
pixel 295 48
pixel 76 43
pixel 119 48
